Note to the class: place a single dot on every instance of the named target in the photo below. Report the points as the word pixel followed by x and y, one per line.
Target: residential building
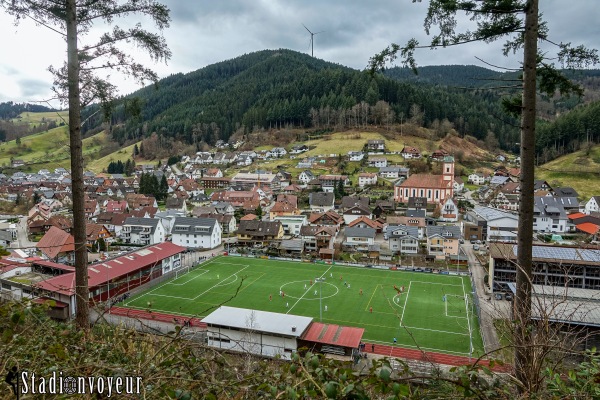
pixel 393 172
pixel 143 231
pixel 330 182
pixel 306 176
pixel 376 144
pixel 449 211
pixel 410 152
pixel 355 155
pixel 367 179
pixel 402 239
pixel 356 212
pixel 359 238
pixel 227 222
pixel 477 178
pixel 592 205
pixel 317 237
pixel 443 241
pixel 321 201
pixel 549 215
pixel 326 218
pixel 377 161
pixel 259 231
pixel 292 224
pixel 203 233
pixel 57 246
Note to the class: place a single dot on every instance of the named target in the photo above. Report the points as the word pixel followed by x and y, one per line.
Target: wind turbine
pixel 312 42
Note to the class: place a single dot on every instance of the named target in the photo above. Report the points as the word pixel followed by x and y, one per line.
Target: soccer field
pixel 430 311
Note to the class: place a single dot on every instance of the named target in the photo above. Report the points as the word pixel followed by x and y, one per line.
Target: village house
pixel 367 179
pixel 57 246
pixel 376 145
pixel 393 172
pixel 377 161
pixel 359 238
pixel 402 239
pixel 330 182
pixel 262 232
pixel 321 201
pixel 142 231
pixel 477 178
pixel 410 153
pixel 356 212
pixel 443 241
pixel 203 233
pixel 449 211
pixel 355 155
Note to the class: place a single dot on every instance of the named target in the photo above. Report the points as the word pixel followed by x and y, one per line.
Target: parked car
pixel 498 296
pixel 508 297
pixel 475 247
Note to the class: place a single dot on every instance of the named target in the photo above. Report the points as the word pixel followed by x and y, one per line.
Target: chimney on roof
pixel 293 329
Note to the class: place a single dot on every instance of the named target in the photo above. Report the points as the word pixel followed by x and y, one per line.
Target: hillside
pixel 579 170
pixel 49 149
pixel 282 88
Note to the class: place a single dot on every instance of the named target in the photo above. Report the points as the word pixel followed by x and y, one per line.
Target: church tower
pixel 448 169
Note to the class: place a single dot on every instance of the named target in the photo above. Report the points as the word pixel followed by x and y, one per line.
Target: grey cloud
pixel 34 89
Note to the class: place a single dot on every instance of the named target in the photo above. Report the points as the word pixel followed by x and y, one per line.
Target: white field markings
pixel 201 273
pixel 307 290
pixel 405 300
pixel 448 296
pixel 201 294
pixel 467 311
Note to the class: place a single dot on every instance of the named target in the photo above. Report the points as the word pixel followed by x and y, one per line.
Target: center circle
pixel 306 291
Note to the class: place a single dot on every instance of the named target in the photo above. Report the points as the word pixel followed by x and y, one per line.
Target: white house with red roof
pixel 436 188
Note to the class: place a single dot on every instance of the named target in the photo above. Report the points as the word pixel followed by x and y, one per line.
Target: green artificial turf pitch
pixel 418 316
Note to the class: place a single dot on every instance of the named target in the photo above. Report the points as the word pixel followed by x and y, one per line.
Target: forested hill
pixel 275 88
pixel 9 110
pixel 466 76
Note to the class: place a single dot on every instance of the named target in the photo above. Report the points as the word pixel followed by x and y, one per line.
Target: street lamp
pixel 320 280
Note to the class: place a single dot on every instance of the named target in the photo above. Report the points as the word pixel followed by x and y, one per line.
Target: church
pixel 436 188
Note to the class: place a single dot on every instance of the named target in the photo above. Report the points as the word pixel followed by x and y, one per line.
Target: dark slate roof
pixel 445 231
pixel 194 226
pixel 351 201
pixel 321 199
pixel 565 191
pixel 360 232
pixel 137 224
pixel 259 228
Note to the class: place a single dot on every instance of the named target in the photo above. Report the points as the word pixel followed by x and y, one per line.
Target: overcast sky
pixel 204 32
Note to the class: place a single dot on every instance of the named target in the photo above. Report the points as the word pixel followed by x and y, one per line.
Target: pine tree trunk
pixel 522 310
pixel 79 231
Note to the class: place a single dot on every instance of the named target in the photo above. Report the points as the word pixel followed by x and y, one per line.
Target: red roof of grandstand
pixel 53 265
pixel 8 265
pixel 334 334
pixel 99 274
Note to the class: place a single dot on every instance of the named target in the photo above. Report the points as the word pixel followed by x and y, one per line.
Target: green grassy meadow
pixel 416 316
